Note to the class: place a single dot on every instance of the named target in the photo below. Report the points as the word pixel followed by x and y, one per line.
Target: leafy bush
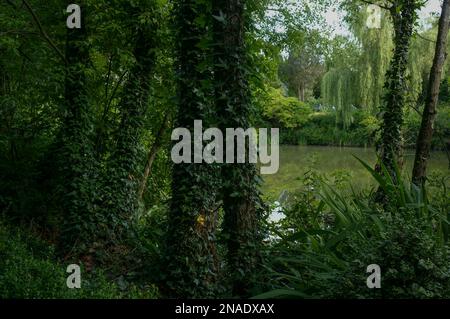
pixel 413 262
pixel 322 128
pixel 327 244
pixel 285 112
pixel 28 269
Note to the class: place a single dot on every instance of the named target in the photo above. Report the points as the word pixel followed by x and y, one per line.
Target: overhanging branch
pixel 42 31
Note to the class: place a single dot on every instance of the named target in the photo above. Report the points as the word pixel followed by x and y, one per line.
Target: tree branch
pixel 379 5
pixel 424 38
pixel 42 31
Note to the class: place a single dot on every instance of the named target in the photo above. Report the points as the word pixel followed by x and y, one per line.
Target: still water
pixel 295 161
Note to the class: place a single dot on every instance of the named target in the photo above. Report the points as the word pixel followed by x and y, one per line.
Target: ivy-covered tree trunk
pixel 191 249
pixel 429 113
pixel 404 16
pixel 233 102
pixel 74 148
pixel 124 166
pixel 126 160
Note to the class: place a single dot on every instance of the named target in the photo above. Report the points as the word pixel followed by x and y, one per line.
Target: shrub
pixel 335 237
pixel 413 262
pixel 285 112
pixel 28 269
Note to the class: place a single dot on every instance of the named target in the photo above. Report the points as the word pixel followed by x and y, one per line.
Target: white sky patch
pixel 335 17
pixel 432 8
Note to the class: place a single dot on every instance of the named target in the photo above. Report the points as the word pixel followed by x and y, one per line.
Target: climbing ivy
pixel 124 166
pixel 240 182
pixel 73 146
pixel 404 16
pixel 191 257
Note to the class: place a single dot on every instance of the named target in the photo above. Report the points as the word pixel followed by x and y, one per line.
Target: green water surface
pixel 295 161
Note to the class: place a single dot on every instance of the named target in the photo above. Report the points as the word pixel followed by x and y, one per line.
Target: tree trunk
pixel 151 156
pixel 403 13
pixel 429 112
pixel 301 92
pixel 74 151
pixel 191 259
pixel 121 182
pixel 240 186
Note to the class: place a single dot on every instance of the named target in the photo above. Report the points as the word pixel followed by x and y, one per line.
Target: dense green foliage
pixel 322 128
pixel 86 175
pixel 28 270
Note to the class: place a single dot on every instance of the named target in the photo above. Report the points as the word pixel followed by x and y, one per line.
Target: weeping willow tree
pixel 373 63
pixel 420 61
pixel 377 54
pixel 358 81
pixel 338 91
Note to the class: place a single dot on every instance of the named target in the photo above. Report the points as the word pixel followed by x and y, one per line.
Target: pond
pixel 295 161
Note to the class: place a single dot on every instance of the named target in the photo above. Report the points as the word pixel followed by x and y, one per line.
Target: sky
pixel 334 17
